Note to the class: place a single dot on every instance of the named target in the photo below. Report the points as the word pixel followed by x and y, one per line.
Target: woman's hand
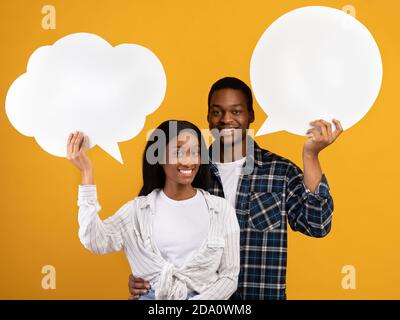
pixel 78 144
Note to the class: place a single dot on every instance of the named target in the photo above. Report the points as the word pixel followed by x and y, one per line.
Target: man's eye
pixel 215 112
pixel 236 112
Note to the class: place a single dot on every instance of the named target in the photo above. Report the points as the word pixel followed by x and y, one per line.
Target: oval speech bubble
pixel 83 83
pixel 315 63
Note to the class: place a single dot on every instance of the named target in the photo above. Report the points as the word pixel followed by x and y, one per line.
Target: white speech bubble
pixel 315 63
pixel 83 83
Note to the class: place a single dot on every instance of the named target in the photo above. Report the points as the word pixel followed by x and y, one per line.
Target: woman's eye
pixel 181 153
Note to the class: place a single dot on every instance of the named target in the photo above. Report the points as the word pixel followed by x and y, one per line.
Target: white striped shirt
pixel 212 271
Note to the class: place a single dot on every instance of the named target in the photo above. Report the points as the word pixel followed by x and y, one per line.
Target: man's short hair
pixel 236 84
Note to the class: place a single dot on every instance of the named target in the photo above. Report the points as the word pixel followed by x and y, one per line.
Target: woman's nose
pixel 189 159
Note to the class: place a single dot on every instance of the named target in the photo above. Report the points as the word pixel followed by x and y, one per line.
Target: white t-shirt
pixel 230 173
pixel 180 226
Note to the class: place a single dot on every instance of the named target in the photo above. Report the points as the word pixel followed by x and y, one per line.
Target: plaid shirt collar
pixel 254 155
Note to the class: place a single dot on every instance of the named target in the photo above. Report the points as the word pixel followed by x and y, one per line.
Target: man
pixel 268 191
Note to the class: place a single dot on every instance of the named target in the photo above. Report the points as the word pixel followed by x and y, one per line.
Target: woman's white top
pixel 180 227
pixel 212 270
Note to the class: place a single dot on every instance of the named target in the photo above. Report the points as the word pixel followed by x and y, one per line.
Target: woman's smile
pixel 186 172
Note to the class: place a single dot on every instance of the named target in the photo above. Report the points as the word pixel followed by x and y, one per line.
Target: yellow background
pixel 198 42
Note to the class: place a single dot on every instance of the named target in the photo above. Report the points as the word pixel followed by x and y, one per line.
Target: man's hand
pixel 321 136
pixel 137 287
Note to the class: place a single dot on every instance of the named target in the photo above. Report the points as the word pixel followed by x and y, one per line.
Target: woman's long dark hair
pixel 153 174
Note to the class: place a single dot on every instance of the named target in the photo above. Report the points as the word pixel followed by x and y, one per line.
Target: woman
pixel 176 235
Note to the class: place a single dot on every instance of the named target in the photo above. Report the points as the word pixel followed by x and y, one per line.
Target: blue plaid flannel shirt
pixel 267 198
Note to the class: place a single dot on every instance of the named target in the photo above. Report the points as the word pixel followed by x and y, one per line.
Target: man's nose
pixel 226 118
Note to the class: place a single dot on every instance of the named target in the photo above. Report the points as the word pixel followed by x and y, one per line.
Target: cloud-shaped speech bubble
pixel 83 83
pixel 312 63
